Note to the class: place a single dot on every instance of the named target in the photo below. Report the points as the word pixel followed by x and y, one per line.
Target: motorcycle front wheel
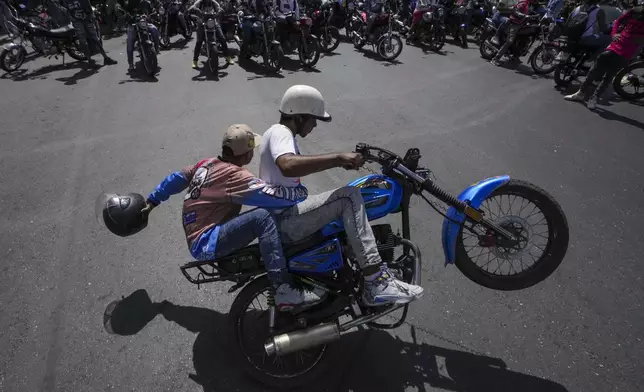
pixel 438 41
pixel 12 59
pixel 535 218
pixel 151 63
pixel 330 40
pixel 547 56
pixel 274 59
pixel 389 48
pixel 486 49
pixel 311 55
pixel 626 77
pixel 562 78
pixel 248 328
pixel 213 61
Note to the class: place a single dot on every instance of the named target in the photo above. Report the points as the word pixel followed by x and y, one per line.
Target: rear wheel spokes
pixel 524 220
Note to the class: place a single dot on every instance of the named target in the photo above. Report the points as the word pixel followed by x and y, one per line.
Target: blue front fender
pixel 475 195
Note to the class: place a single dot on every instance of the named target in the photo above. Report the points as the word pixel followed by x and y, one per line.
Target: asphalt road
pixel 68 135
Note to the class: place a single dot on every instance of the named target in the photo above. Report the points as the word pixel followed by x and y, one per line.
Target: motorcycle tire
pixel 382 43
pixel 332 41
pixel 75 52
pixel 22 54
pixel 438 42
pixel 151 62
pixel 561 79
pixel 313 47
pixel 324 361
pixel 486 50
pixel 541 70
pixel 619 88
pixel 164 42
pixel 358 42
pixel 213 61
pixel 553 253
pixel 273 61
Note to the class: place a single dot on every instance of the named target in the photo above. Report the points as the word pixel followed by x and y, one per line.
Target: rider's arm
pixel 174 183
pixel 601 21
pixel 195 7
pixel 618 23
pixel 217 6
pixel 244 188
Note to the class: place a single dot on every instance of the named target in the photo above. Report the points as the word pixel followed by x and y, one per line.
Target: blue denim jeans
pixel 131 38
pixel 241 231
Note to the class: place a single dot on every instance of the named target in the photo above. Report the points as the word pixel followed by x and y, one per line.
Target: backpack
pixel 576 26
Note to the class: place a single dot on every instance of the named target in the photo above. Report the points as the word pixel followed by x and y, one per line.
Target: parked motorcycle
pixel 263 41
pixel 526 37
pixel 387 44
pixel 51 43
pixel 329 35
pixel 144 45
pixel 431 31
pixel 168 23
pixel 572 62
pixel 501 233
pixel 211 47
pixel 298 37
pixel 542 59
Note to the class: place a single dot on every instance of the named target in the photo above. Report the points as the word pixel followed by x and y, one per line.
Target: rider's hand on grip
pixel 350 160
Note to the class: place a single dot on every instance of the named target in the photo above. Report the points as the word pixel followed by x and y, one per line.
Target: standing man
pixel 82 17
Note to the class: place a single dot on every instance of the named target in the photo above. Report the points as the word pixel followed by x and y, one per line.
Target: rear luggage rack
pixel 238 267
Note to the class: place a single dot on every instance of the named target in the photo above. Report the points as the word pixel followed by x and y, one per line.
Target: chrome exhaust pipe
pixel 300 340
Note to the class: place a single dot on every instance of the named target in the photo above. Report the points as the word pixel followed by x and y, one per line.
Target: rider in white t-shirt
pixel 282 164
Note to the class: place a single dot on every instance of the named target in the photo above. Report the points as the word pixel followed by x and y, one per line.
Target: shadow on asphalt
pixel 368 53
pixel 139 75
pixel 42 73
pixel 259 71
pixel 294 66
pixel 527 70
pixel 179 44
pixel 612 116
pixel 371 360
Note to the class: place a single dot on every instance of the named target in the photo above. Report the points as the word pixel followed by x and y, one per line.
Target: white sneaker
pixel 288 297
pixel 592 103
pixel 385 290
pixel 578 97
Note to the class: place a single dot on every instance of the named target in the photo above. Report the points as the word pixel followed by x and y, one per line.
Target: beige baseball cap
pixel 240 139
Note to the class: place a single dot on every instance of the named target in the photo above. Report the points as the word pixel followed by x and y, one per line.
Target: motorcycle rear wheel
pixel 246 352
pixel 554 250
pixel 619 88
pixel 383 45
pixel 438 41
pixel 6 56
pixel 311 56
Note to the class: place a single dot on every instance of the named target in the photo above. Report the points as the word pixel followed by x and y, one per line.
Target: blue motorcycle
pixel 502 233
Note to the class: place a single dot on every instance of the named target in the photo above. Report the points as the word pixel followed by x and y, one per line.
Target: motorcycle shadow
pixel 42 72
pixel 526 70
pixel 292 66
pixel 370 54
pixel 206 75
pixel 368 360
pixel 140 76
pixel 251 66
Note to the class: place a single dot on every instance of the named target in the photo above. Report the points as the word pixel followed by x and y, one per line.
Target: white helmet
pixel 301 99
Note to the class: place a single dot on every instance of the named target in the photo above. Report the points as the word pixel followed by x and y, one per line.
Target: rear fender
pixel 474 196
pixel 13 45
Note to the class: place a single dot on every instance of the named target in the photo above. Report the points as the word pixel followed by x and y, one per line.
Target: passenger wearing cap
pixel 216 190
pixel 281 164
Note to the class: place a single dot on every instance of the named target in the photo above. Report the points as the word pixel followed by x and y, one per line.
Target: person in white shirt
pixel 281 164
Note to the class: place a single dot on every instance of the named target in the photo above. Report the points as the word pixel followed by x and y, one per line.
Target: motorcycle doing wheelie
pixel 501 233
pixel 51 43
pixel 262 40
pixel 144 45
pixel 296 36
pixel 387 43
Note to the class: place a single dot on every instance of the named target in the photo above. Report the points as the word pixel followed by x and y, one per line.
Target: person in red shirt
pixel 628 38
pixel 521 13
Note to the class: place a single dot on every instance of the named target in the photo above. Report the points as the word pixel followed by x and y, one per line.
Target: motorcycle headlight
pixel 143 24
pixel 441 12
pixel 427 17
pixel 161 11
pixel 210 24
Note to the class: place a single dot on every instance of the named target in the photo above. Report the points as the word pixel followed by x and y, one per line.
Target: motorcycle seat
pixel 61 32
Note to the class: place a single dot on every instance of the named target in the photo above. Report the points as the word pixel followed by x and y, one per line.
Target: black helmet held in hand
pixel 122 214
